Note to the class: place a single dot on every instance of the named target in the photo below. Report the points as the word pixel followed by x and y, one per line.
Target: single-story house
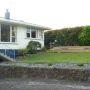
pixel 16 35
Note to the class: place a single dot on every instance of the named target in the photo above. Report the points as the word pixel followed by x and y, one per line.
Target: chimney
pixel 7 14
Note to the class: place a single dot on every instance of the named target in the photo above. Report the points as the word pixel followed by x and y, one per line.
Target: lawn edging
pixel 47 72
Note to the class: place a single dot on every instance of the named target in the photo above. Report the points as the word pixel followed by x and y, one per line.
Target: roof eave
pixel 15 22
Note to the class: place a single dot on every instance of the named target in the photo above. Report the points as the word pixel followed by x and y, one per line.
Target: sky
pixel 55 14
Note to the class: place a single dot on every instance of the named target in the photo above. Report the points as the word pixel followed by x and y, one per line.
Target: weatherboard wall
pixel 22 40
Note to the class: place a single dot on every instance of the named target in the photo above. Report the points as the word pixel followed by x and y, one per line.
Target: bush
pixel 22 52
pixel 33 47
pixel 84 37
pixel 44 49
pixel 62 37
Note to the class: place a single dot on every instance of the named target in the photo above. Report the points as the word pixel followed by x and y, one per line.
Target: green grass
pixel 52 57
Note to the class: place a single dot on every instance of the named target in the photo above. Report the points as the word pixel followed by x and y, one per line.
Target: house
pixel 16 35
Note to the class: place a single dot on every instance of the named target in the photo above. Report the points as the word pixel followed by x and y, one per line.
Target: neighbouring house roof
pixel 22 23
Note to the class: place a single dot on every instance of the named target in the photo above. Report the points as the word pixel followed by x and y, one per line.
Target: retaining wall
pixel 44 73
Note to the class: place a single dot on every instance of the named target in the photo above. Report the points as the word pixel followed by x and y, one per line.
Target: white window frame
pixel 35 31
pixel 30 32
pixel 10 34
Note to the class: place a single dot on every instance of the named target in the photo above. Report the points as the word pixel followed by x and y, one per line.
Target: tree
pixel 49 38
pixel 84 37
pixel 64 37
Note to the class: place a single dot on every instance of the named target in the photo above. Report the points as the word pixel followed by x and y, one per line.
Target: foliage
pixel 44 49
pixel 63 37
pixel 80 64
pixel 22 52
pixel 33 46
pixel 84 37
pixel 49 38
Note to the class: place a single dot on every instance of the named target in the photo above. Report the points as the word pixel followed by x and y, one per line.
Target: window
pixel 28 33
pixel 33 33
pixel 5 33
pixel 13 34
pixel 8 33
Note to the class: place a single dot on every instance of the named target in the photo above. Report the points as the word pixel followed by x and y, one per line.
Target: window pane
pixel 33 34
pixel 5 33
pixel 28 35
pixel 12 27
pixel 13 33
pixel 13 39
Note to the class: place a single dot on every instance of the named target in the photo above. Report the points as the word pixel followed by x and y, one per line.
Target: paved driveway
pixel 28 84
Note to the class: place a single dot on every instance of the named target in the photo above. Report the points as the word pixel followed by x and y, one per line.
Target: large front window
pixel 7 33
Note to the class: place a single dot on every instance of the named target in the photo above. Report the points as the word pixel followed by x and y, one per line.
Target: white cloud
pixel 52 13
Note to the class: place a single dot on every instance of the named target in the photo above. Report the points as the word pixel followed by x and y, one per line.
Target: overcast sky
pixel 50 13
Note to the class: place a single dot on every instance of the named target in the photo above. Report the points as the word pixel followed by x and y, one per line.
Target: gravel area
pixel 27 84
pixel 52 65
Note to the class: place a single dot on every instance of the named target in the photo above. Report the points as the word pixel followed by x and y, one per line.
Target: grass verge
pixel 54 57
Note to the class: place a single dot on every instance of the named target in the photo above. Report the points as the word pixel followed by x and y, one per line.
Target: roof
pixel 22 23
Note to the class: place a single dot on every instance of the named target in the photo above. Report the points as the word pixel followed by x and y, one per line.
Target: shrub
pixel 62 37
pixel 49 64
pixel 33 47
pixel 22 52
pixel 80 65
pixel 84 37
pixel 44 49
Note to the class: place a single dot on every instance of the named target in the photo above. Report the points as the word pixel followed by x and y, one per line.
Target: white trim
pixel 34 39
pixel 15 31
pixel 10 33
pixel 22 23
pixel 0 32
pixel 28 31
pixel 8 43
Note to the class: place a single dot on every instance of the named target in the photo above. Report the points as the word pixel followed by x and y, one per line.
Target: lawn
pixel 52 57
